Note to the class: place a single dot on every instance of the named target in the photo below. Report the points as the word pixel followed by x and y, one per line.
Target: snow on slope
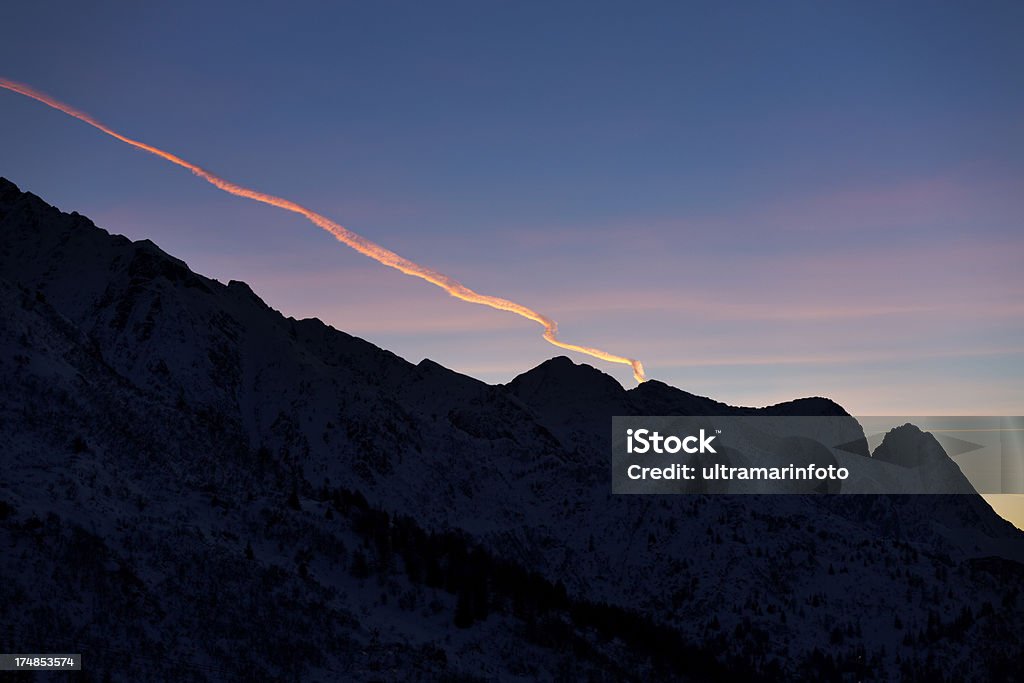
pixel 156 422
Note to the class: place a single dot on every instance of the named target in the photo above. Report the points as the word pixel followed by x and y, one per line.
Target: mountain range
pixel 197 487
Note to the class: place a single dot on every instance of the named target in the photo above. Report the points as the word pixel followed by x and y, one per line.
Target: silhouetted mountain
pixel 196 487
pixel 920 452
pixel 908 446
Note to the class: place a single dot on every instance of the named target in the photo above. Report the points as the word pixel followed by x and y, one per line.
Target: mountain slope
pixel 174 447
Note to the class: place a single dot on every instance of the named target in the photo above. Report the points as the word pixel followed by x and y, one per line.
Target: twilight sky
pixel 759 201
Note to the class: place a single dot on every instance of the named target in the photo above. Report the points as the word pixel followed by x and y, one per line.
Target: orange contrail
pixel 342 234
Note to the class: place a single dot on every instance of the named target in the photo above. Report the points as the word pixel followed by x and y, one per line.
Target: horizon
pixel 1008 506
pixel 884 275
pixel 410 334
pixel 868 227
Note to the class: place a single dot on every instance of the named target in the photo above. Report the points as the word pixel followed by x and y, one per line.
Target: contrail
pixel 342 234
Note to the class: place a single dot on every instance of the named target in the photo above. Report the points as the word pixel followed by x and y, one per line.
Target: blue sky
pixel 760 201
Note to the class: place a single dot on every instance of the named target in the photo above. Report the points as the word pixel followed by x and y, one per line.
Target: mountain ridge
pixel 172 268
pixel 179 426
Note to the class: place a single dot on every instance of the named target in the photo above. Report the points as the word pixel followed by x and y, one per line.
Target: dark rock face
pixel 197 475
pixel 920 452
pixel 908 446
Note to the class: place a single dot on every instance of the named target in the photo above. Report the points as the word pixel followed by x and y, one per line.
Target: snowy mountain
pixel 196 487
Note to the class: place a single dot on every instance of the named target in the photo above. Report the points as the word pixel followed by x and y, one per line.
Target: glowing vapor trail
pixel 342 234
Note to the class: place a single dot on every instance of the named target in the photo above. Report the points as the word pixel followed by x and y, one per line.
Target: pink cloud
pixel 836 359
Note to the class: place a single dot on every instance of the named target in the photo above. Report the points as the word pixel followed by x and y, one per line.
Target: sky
pixel 760 201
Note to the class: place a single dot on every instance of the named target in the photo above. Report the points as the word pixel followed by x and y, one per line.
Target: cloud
pixel 836 359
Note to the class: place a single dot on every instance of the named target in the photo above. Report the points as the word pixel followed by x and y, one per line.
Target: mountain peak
pixel 8 189
pixel 561 375
pixel 654 397
pixel 908 446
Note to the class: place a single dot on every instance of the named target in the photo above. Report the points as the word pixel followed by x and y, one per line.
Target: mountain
pixel 196 487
